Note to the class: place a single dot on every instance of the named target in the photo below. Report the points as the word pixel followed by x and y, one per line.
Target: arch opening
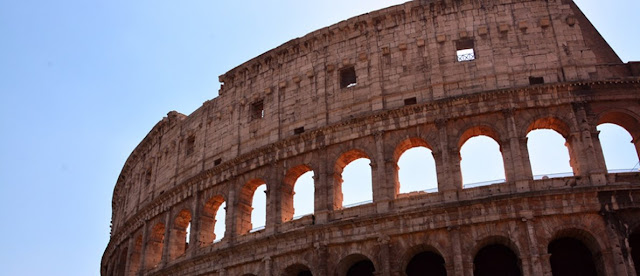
pixel 496 259
pixel 634 243
pixel 298 191
pixel 179 239
pixel 619 152
pixel 570 256
pixel 417 171
pixel 212 220
pixel 352 180
pixel 122 263
pixel 426 263
pixel 154 246
pixel 297 270
pixel 361 268
pixel 548 154
pixel 134 265
pixel 481 162
pixel 252 207
pixel 259 208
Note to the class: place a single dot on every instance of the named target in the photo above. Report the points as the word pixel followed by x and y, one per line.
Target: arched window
pixel 426 263
pixel 298 193
pixel 252 207
pixel 259 206
pixel 134 265
pixel 297 270
pixel 481 162
pixel 155 243
pixel 356 185
pixel 548 154
pixel 179 239
pixel 619 152
pixel 355 265
pixel 352 180
pixel 212 221
pixel 416 167
pixel 570 256
pixel 496 259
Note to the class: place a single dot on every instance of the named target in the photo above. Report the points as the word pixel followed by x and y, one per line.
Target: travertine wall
pixel 188 165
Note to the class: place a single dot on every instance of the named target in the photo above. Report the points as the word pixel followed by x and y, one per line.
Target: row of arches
pixel 568 254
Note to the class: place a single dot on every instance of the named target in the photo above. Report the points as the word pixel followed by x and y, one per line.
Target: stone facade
pixel 375 86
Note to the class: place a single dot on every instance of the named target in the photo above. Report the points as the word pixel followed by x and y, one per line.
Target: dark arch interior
pixel 305 273
pixel 426 263
pixel 634 243
pixel 496 259
pixel 361 268
pixel 571 257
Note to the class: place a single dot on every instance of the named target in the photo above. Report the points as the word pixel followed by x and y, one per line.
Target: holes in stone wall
pixel 426 261
pixel 154 247
pixel 190 145
pixel 217 162
pixel 536 80
pixel 571 257
pixel 620 154
pixel 212 221
pixel 481 162
pixel 179 241
pixel 548 154
pixel 259 206
pixel 357 183
pixel 147 177
pixel 496 259
pixel 303 195
pixel 410 101
pixel 298 130
pixel 257 110
pixel 417 171
pixel 465 50
pixel 348 77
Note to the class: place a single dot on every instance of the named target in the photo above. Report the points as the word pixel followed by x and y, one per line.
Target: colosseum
pixel 427 73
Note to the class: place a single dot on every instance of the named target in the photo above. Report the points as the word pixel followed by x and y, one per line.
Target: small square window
pixel 191 145
pixel 465 51
pixel 410 101
pixel 348 77
pixel 298 130
pixel 217 162
pixel 257 110
pixel 536 80
pixel 147 177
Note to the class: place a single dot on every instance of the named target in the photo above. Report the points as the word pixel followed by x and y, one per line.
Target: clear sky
pixel 83 81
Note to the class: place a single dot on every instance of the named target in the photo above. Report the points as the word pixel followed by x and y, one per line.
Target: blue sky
pixel 82 82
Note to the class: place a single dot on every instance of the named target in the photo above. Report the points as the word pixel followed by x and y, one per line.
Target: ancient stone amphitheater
pixel 423 74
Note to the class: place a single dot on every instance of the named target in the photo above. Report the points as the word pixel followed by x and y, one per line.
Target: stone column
pixel 130 246
pixel 584 160
pixel 382 193
pixel 273 218
pixel 267 266
pixel 520 168
pixel 143 251
pixel 231 231
pixel 323 188
pixel 456 248
pixel 383 255
pixel 447 164
pixel 533 246
pixel 166 242
pixel 321 254
pixel 194 237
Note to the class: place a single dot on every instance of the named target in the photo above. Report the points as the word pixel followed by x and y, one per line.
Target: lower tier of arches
pixel 595 229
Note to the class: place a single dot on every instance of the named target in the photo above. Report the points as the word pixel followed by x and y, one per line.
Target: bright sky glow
pixel 303 195
pixel 259 213
pixel 481 161
pixel 220 226
pixel 82 83
pixel 356 182
pixel 548 154
pixel 417 171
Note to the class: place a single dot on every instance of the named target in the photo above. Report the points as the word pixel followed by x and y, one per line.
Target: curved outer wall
pixel 399 53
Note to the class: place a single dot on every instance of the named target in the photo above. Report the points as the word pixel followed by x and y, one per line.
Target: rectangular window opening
pixel 348 77
pixel 191 145
pixel 465 50
pixel 299 130
pixel 410 101
pixel 257 110
pixel 147 177
pixel 217 162
pixel 536 80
